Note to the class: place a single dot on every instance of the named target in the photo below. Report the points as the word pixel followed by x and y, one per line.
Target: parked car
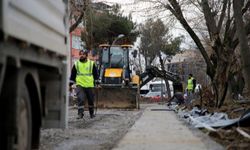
pixel 143 93
pixel 154 96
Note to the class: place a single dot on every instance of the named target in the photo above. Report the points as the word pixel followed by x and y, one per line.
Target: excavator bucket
pixel 117 98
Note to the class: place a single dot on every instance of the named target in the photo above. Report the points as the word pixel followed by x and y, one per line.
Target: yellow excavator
pixel 119 89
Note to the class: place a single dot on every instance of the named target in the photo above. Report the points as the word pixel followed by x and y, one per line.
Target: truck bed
pixel 38 22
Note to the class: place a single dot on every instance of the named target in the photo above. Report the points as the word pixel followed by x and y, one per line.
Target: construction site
pixel 125 75
pixel 156 125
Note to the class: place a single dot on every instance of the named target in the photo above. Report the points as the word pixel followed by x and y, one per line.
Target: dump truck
pixel 118 90
pixel 33 70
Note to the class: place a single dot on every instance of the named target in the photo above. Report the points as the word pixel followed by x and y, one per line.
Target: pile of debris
pixel 229 125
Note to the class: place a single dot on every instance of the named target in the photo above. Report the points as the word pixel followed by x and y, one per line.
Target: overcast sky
pixel 127 7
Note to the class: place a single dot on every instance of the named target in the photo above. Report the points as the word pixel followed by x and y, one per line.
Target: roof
pixel 127 45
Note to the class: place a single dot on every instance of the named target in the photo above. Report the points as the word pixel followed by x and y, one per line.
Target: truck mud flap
pixel 117 98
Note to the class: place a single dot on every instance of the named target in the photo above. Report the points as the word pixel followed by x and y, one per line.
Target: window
pixel 157 87
pixel 77 42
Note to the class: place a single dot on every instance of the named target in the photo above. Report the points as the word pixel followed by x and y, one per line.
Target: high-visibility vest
pixel 190 84
pixel 84 76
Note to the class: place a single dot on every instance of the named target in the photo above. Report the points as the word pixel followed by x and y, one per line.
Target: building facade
pixel 189 61
pixel 76 44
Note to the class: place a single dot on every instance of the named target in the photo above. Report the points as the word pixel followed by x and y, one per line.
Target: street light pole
pixel 118 37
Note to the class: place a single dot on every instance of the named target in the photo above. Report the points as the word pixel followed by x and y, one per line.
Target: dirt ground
pixel 109 126
pixel 230 138
pixel 100 133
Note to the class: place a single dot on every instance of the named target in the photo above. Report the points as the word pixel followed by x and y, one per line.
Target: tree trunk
pixel 166 81
pixel 223 55
pixel 223 62
pixel 241 33
pixel 220 82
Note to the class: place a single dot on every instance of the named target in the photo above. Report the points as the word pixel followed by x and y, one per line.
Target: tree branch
pixel 230 28
pixel 78 21
pixel 246 7
pixel 175 9
pixel 232 31
pixel 241 34
pixel 210 22
pixel 222 14
pixel 236 41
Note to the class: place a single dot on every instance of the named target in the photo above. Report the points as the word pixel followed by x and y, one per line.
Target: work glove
pixel 97 83
pixel 71 84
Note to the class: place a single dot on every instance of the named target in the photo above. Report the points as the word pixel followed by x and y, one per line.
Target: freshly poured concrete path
pixel 161 130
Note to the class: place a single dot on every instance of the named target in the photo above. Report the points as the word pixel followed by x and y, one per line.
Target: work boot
pixel 92 116
pixel 91 112
pixel 80 116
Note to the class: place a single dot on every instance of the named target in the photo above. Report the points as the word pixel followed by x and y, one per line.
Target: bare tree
pixel 220 25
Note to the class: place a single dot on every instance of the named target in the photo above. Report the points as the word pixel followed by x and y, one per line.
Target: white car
pixel 154 94
pixel 197 88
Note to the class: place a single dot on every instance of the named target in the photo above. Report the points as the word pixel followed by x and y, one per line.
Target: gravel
pixel 99 133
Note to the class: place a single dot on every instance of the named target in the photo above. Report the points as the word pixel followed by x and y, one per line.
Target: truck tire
pixel 15 105
pixel 24 125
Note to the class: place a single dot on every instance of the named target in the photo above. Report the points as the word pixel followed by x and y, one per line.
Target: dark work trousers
pixel 190 96
pixel 83 93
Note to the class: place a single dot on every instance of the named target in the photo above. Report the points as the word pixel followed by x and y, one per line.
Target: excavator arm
pixel 152 72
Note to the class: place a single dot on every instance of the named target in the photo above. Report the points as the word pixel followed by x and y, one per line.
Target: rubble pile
pixel 229 125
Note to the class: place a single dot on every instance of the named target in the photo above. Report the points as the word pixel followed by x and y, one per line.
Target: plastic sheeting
pixel 202 119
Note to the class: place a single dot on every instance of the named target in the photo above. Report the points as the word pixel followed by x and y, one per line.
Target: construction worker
pixel 177 85
pixel 177 98
pixel 190 87
pixel 84 74
pixel 178 92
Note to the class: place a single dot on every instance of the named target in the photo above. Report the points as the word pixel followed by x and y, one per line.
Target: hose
pixel 97 99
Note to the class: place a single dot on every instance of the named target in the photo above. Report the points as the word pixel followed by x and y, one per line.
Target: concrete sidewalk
pixel 161 130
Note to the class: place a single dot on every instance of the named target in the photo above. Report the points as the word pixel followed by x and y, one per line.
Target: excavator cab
pixel 117 90
pixel 114 65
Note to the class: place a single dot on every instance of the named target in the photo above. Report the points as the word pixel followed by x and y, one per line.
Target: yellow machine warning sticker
pixel 135 79
pixel 113 72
